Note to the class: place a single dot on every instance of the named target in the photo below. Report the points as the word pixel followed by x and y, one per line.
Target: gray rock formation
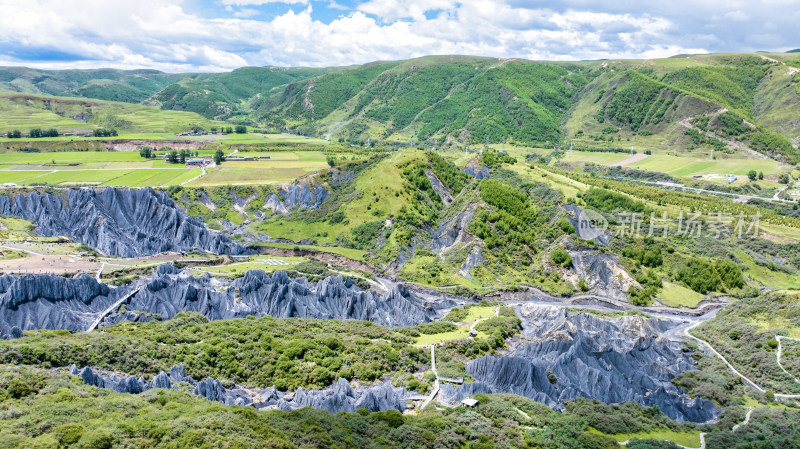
pixel 602 273
pixel 477 170
pixel 453 231
pixel 624 359
pixel 257 293
pixel 439 188
pixel 339 397
pixel 211 389
pixel 301 194
pixel 342 397
pixel 474 258
pixel 119 222
pixel 52 302
pixel 589 225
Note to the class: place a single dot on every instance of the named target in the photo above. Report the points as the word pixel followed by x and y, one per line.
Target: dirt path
pixel 702 443
pixel 196 177
pixel 633 159
pixel 746 420
pixel 496 314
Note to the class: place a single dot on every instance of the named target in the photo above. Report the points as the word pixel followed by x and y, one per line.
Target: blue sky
pixel 219 35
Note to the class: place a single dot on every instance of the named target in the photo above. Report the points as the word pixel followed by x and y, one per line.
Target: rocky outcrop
pixel 588 224
pixel 439 188
pixel 474 258
pixel 340 397
pixel 258 293
pixel 601 272
pixel 120 383
pixel 51 302
pixel 118 222
pixel 477 170
pixel 453 231
pixel 624 359
pixel 301 194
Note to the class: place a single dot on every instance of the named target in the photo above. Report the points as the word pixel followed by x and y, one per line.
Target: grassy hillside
pixel 130 86
pixel 662 105
pixel 24 111
pixel 433 99
pixel 225 95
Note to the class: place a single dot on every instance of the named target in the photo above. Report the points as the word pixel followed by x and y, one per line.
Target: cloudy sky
pixel 219 35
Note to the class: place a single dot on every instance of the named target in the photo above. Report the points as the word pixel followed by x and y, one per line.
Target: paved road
pixel 712 192
pixel 113 307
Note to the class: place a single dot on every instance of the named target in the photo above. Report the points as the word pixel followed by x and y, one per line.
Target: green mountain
pixel 130 86
pixel 725 102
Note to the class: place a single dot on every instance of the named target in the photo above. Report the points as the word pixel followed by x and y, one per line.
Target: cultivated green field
pixel 128 169
pixel 687 166
pixel 474 314
pixel 679 166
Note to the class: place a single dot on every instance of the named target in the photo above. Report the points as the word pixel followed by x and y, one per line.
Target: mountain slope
pixel 130 86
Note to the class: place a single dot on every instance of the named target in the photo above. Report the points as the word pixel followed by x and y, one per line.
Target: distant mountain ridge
pixel 455 100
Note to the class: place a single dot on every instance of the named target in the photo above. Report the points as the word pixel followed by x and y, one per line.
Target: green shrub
pixel 560 257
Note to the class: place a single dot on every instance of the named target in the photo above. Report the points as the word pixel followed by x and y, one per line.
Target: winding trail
pixel 780 339
pixel 377 284
pixel 746 420
pixel 472 328
pixel 703 434
pixel 735 371
pixel 33 253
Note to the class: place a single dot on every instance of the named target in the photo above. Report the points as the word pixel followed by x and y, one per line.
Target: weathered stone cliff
pixel 568 355
pixel 339 397
pixel 53 302
pixel 301 194
pixel 118 222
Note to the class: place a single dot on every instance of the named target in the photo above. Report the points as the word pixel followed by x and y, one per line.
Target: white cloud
pixel 166 35
pixel 401 9
pixel 246 13
pixel 261 2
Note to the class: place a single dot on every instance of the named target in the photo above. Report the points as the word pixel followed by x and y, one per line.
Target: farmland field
pixel 242 175
pixel 679 166
pixel 128 169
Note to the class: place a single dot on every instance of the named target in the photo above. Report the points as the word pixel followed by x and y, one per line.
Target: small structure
pixel 240 258
pixel 92 258
pixel 196 162
pixel 473 333
pixel 469 402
